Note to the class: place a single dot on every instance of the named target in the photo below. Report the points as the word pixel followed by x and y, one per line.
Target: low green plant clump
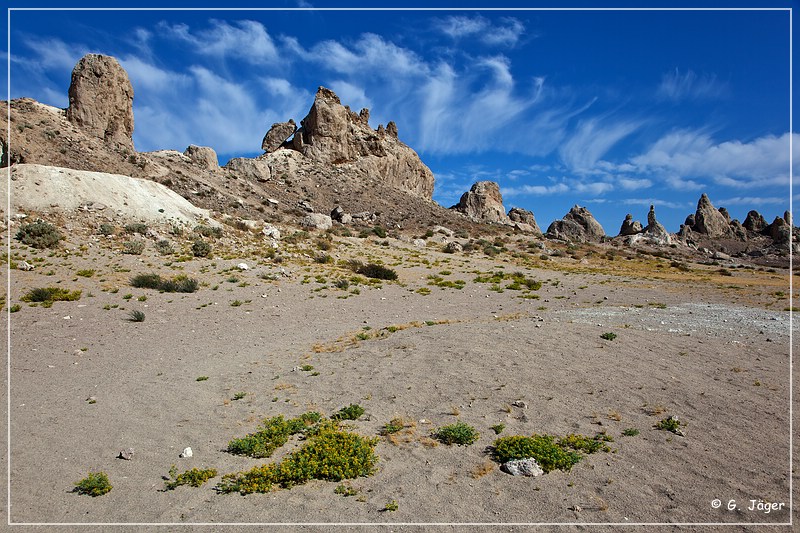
pixel 106 229
pixel 671 424
pixel 138 227
pixel 630 432
pixel 609 336
pixel 194 477
pixel 86 273
pixel 48 295
pixel 373 270
pixel 95 484
pixel 549 453
pixel 498 428
pixel 133 247
pixel 136 316
pixel 207 231
pixel 201 248
pixel 180 283
pixel 351 412
pixel 393 426
pixel 459 433
pixel 273 433
pixel 39 234
pixel 329 453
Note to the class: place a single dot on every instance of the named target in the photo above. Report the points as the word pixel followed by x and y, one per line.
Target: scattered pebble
pixel 187 452
pixel 520 404
pixel 126 454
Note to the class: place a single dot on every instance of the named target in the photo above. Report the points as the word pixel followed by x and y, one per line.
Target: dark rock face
pixel 630 226
pixel 277 135
pixel 577 226
pixel 483 202
pixel 755 222
pixel 101 100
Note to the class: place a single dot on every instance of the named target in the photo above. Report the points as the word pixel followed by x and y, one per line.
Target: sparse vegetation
pixel 135 247
pixel 671 424
pixel 136 316
pixel 39 234
pixel 200 248
pixel 459 433
pixel 180 283
pixel 351 412
pixel 609 336
pixel 95 484
pixel 373 270
pixel 549 454
pixel 50 295
pixel 139 228
pixel 194 477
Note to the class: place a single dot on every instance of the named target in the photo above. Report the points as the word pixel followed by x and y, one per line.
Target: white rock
pixel 187 452
pixel 243 266
pixel 523 467
pixel 272 232
pixel 24 265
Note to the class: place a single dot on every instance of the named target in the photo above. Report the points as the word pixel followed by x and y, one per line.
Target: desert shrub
pixel 393 426
pixel 164 247
pixel 39 234
pixel 51 294
pixel 207 231
pixel 136 316
pixel 582 443
pixel 351 412
pixel 498 428
pixel 133 247
pixel 379 231
pixel 201 248
pixel 544 448
pixel 671 424
pixel 85 273
pixel 138 227
pixel 193 477
pixel 106 229
pixel 630 432
pixel 372 270
pixel 323 259
pixel 273 433
pixel 609 336
pixel 180 283
pixel 459 433
pixel 329 454
pixel 95 484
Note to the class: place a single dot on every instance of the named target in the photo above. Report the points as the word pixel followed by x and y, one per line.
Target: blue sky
pixel 613 110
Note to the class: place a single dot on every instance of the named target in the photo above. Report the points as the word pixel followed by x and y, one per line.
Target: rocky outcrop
pixel 780 232
pixel 630 226
pixel 523 220
pixel 655 232
pixel 253 169
pixel 577 226
pixel 277 135
pixel 709 220
pixel 755 222
pixel 483 202
pixel 101 100
pixel 333 134
pixel 202 156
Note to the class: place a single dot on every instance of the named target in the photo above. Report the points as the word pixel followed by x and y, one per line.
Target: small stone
pixel 126 454
pixel 523 467
pixel 520 404
pixel 243 266
pixel 187 452
pixel 24 265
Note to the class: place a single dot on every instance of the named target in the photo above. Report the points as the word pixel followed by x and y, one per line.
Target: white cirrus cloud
pixel 689 86
pixel 246 40
pixel 592 139
pixel 506 32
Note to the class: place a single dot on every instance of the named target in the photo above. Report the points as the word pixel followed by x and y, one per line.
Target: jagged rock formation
pixel 630 226
pixel 655 233
pixel 277 135
pixel 483 202
pixel 755 222
pixel 523 220
pixel 708 220
pixel 577 226
pixel 203 156
pixel 333 134
pixel 101 100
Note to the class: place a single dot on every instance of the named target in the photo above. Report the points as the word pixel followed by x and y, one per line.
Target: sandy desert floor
pixel 711 350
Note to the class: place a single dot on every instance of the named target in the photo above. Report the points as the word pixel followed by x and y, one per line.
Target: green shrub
pixel 273 433
pixel 609 336
pixel 138 227
pixel 329 454
pixel 498 428
pixel 106 229
pixel 393 426
pixel 39 234
pixel 630 432
pixel 544 448
pixel 133 247
pixel 180 283
pixel 584 444
pixel 379 231
pixel 670 424
pixel 95 484
pixel 193 477
pixel 51 294
pixel 87 273
pixel 323 259
pixel 136 316
pixel 164 247
pixel 459 433
pixel 201 248
pixel 372 270
pixel 207 231
pixel 351 412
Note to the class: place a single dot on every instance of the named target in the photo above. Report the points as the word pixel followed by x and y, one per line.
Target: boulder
pixel 271 232
pixel 577 226
pixel 787 217
pixel 202 156
pixel 709 220
pixel 522 467
pixel 253 169
pixel 317 221
pixel 483 203
pixel 655 233
pixel 780 232
pixel 453 247
pixel 524 217
pixel 333 135
pixel 101 100
pixel 630 226
pixel 755 222
pixel 277 135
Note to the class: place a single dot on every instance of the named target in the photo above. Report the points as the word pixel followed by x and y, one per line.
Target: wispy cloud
pixel 507 32
pixel 592 140
pixel 245 40
pixel 754 200
pixel 689 86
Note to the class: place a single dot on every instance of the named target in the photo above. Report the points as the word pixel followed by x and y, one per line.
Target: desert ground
pixel 708 345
